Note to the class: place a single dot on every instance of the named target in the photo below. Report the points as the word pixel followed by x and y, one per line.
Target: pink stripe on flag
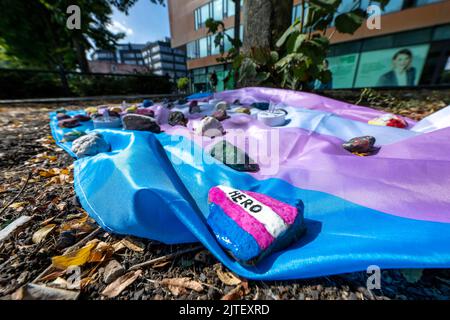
pixel 255 228
pixel 286 212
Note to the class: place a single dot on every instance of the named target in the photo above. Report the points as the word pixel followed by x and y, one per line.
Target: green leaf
pixel 274 56
pixel 262 76
pixel 349 22
pixel 287 33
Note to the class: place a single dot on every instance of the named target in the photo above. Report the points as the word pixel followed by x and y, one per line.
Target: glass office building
pixel 416 31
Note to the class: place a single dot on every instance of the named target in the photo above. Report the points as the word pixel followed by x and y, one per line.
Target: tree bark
pixel 81 55
pixel 265 22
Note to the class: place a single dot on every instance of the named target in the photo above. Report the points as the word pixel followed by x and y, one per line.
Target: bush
pixel 183 83
pixel 23 84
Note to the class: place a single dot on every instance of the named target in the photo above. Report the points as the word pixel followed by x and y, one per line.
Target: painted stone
pixel 243 110
pixel 221 105
pixel 389 120
pixel 177 118
pixel 145 112
pixel 161 114
pixel 131 109
pixel 252 225
pixel 194 107
pixel 116 110
pixel 363 144
pixel 233 157
pixel 147 103
pixel 210 127
pixel 261 105
pixel 220 115
pixel 61 110
pixel 62 116
pixel 82 117
pixel 91 110
pixel 140 123
pixel 72 135
pixel 90 145
pixel 68 123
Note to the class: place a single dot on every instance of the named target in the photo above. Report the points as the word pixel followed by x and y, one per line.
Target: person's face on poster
pixel 401 62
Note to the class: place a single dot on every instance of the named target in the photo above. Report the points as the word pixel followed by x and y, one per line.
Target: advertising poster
pixel 392 67
pixel 343 69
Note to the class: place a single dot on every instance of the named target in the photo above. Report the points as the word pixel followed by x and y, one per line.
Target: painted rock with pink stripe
pixel 251 225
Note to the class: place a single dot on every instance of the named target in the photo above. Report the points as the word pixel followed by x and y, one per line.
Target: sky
pixel 145 22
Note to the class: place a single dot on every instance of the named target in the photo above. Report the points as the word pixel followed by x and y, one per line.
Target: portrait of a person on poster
pixel 402 73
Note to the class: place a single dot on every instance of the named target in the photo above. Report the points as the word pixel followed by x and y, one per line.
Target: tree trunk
pixel 81 55
pixel 237 34
pixel 265 22
pixel 63 78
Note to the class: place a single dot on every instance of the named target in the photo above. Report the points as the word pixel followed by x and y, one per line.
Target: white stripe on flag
pixel 273 223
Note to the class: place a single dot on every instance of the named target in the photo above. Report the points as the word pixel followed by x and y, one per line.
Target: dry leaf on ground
pixel 76 258
pixel 227 277
pixel 42 233
pixel 128 243
pixel 176 285
pixel 39 292
pixel 115 288
pixel 237 293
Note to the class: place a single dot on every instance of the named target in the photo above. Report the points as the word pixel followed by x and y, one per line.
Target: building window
pixel 217 9
pixel 180 67
pixel 202 14
pixel 203 46
pixel 192 50
pixel 180 59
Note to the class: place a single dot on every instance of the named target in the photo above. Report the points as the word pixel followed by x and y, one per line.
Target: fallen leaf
pixel 52 276
pixel 13 226
pixel 59 283
pixel 237 293
pixel 33 291
pixel 128 243
pixel 40 235
pixel 412 275
pixel 227 277
pixel 76 258
pixel 17 205
pixel 132 245
pixel 102 252
pixel 61 206
pixel 80 225
pixel 175 284
pixel 115 288
pixel 161 264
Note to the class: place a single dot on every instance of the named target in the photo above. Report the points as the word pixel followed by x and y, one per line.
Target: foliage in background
pixel 22 84
pixel 34 31
pixel 298 58
pixel 183 83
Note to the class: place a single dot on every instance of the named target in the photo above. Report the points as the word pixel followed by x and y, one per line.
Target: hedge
pixel 24 84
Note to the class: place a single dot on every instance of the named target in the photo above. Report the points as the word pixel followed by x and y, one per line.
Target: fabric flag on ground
pixel 390 209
